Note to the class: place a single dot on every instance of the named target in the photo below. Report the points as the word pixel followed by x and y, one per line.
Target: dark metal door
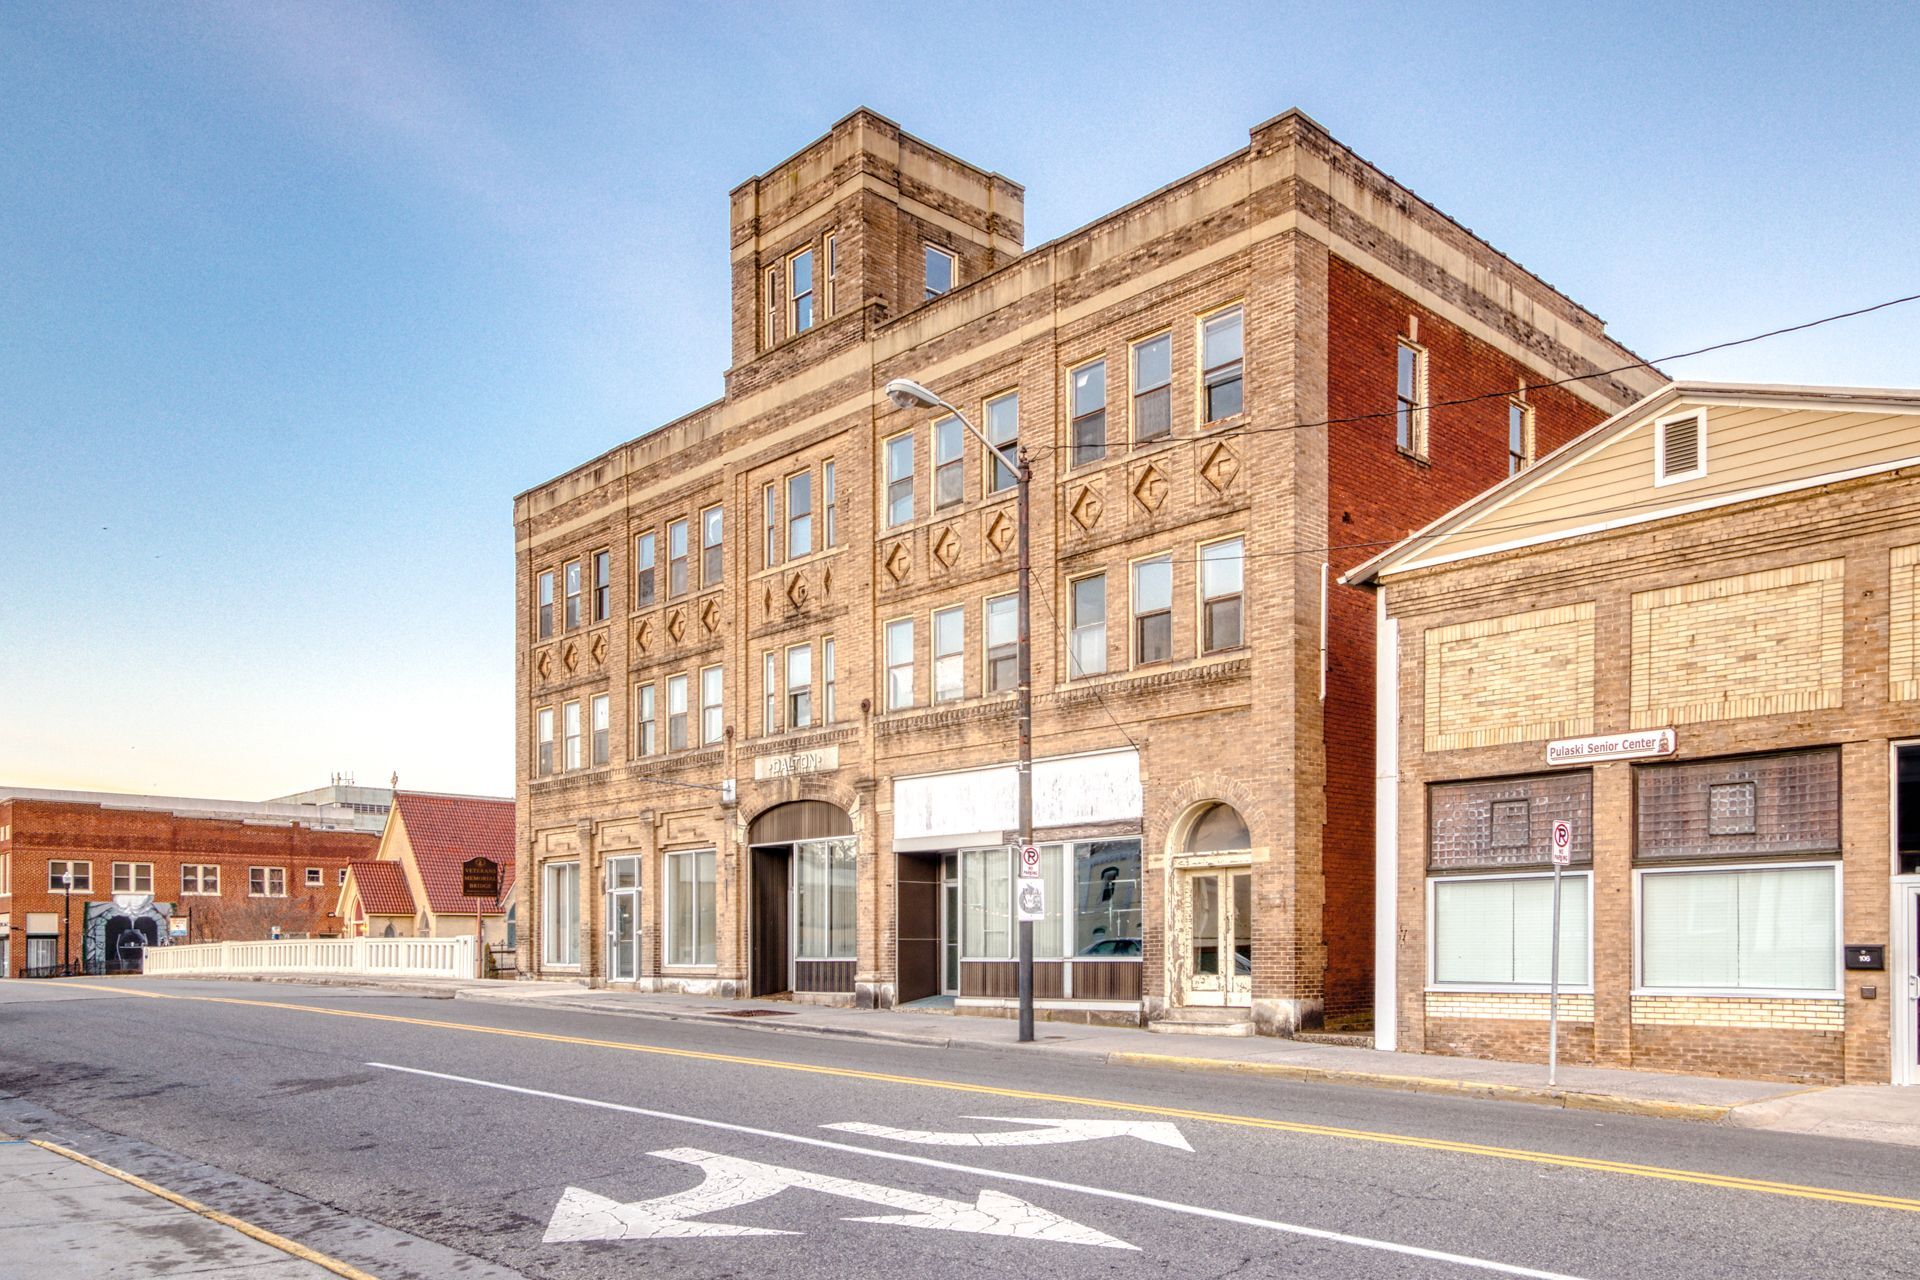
pixel 769 962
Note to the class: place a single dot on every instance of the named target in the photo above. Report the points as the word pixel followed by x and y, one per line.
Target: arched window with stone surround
pixel 1217 828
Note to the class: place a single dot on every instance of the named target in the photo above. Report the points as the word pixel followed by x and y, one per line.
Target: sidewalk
pixel 67 1217
pixel 1878 1113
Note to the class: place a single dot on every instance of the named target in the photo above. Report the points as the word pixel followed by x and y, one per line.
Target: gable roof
pixel 383 888
pixel 445 831
pixel 1759 440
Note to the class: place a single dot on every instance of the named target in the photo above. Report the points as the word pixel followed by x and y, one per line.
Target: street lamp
pixel 904 393
pixel 66 932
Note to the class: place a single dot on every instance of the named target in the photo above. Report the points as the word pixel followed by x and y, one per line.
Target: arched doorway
pixel 1211 903
pixel 803 900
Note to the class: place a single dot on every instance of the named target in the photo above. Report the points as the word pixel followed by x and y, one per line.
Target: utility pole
pixel 66 932
pixel 904 393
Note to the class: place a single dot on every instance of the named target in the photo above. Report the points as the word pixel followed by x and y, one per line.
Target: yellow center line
pixel 1590 1164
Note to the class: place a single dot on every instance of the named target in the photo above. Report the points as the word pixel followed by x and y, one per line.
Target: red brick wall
pixel 1377 495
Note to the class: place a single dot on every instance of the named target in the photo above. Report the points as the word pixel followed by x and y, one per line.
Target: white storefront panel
pixel 974 806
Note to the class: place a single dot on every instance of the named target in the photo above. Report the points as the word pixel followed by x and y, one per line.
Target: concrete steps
pixel 1204 1022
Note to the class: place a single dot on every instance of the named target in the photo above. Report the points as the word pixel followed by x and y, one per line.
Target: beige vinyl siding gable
pixel 1749 449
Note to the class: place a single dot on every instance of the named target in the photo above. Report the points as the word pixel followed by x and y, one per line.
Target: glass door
pixel 1217 950
pixel 950 925
pixel 623 919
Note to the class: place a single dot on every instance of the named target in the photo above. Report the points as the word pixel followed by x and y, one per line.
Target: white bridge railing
pixel 383 957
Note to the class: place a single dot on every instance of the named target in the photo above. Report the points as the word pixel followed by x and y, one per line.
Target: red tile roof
pixel 383 888
pixel 445 831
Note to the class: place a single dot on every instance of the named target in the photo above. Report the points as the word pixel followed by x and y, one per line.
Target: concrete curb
pixel 1571 1099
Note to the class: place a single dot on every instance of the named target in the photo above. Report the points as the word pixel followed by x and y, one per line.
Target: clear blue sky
pixel 295 297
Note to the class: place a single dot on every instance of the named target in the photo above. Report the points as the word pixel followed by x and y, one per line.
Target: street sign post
pixel 479 880
pixel 1029 862
pixel 1030 894
pixel 1562 855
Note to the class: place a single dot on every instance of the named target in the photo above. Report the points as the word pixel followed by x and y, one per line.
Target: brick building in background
pixel 765 691
pixel 224 878
pixel 1691 634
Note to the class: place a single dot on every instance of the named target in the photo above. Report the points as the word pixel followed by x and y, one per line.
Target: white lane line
pixel 1052 1131
pixel 1152 1202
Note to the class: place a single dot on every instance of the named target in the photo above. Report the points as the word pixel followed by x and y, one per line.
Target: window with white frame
pixel 560 913
pixel 1497 931
pixel 1003 429
pixel 644 739
pixel 266 882
pixel 939 271
pixel 543 741
pixel 950 655
pixel 676 559
pixel 712 553
pixel 1088 395
pixel 800 514
pixel 900 479
pixel 769 692
pixel 1087 640
pixel 1410 399
pixel 1153 387
pixel 644 550
pixel 341 876
pixel 773 305
pixel 1222 587
pixel 570 572
pixel 825 896
pixel 545 590
pixel 826 681
pixel 690 907
pixel 1222 346
pixel 949 462
pixel 800 290
pixel 200 880
pixel 677 713
pixel 1679 447
pixel 315 878
pixel 770 526
pixel 81 872
pixel 830 508
pixel 833 275
pixel 1152 610
pixel 1752 928
pixel 602 585
pixel 1519 436
pixel 712 712
pixel 899 664
pixel 1003 643
pixel 570 735
pixel 800 686
pixel 602 728
pixel 133 877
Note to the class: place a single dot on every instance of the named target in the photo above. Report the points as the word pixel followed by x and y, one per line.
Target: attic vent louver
pixel 1680 453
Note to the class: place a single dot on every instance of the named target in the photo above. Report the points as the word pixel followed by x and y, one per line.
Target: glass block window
pixel 1753 807
pixel 1508 822
pixel 1730 809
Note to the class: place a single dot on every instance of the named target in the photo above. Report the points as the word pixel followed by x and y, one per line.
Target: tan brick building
pixel 1691 635
pixel 765 691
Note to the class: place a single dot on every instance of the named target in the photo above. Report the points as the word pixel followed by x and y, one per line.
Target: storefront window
pixel 986 904
pixel 1106 899
pixel 561 920
pixel 689 878
pixel 1497 931
pixel 1764 928
pixel 1092 895
pixel 825 899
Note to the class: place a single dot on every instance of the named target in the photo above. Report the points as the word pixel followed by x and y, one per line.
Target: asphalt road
pixel 546 1143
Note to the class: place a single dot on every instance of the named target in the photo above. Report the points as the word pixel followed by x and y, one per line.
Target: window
pixel 546 605
pixel 770 521
pixel 1003 428
pixel 833 274
pixel 643 555
pixel 643 732
pixel 1222 578
pixel 266 882
pixel 1519 436
pixel 676 713
pixel 342 878
pixel 773 305
pixel 900 479
pixel 949 449
pixel 202 880
pixel 1222 344
pixel 832 511
pixel 899 664
pixel 82 873
pixel 1153 388
pixel 314 878
pixel 800 686
pixel 1089 393
pixel 1105 906
pixel 602 721
pixel 824 900
pixel 571 573
pixel 1092 897
pixel 1003 643
pixel 1740 929
pixel 1087 642
pixel 570 735
pixel 677 559
pixel 1410 395
pixel 769 693
pixel 800 289
pixel 1497 931
pixel 560 913
pixel 133 877
pixel 543 739
pixel 712 713
pixel 826 681
pixel 939 265
pixel 690 903
pixel 800 514
pixel 986 904
pixel 602 585
pixel 1153 610
pixel 712 554
pixel 1679 448
pixel 949 655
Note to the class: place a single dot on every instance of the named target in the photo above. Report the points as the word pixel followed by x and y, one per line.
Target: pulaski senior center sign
pixel 1613 746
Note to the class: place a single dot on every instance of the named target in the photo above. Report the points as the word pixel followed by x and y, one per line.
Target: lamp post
pixel 66 931
pixel 904 393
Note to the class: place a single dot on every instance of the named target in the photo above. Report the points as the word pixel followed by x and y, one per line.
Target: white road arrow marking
pixel 1155 1131
pixel 731 1182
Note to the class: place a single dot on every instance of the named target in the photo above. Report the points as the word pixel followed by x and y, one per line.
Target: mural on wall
pixel 118 933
